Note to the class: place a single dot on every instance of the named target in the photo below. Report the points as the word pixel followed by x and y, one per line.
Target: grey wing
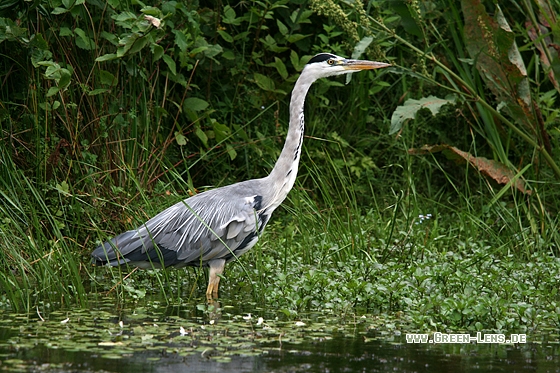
pixel 194 231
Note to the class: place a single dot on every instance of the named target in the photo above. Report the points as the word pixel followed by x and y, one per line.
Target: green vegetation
pixel 112 111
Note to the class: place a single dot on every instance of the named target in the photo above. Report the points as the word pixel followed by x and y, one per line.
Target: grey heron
pixel 219 225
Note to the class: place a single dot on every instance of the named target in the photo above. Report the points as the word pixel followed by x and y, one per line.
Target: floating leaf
pixel 411 107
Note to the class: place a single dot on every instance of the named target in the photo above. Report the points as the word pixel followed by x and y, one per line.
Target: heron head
pixel 327 64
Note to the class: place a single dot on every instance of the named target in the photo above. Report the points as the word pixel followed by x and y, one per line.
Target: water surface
pixel 193 338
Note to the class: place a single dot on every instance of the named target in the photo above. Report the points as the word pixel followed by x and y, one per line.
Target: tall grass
pixel 39 264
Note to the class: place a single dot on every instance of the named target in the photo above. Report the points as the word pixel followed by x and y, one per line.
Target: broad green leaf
pixel 106 57
pixel 213 50
pixel 202 136
pixel 230 17
pixel 282 27
pixel 296 37
pixel 157 51
pixel 59 10
pixel 82 40
pixel 98 91
pixel 52 91
pixel 195 104
pixel 221 131
pixel 124 17
pixel 106 78
pixel 197 50
pixel 227 37
pixel 111 38
pixel 63 187
pixel 231 151
pixel 228 55
pixel 361 47
pixel 411 107
pixel 138 45
pixel 180 138
pixel 170 64
pixel 296 63
pixel 64 80
pixel 280 67
pixel 264 82
pixel 65 31
pixel 181 40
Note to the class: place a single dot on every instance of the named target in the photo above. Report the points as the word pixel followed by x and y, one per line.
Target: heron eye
pixel 330 62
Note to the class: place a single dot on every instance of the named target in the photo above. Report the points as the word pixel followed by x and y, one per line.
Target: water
pixel 193 338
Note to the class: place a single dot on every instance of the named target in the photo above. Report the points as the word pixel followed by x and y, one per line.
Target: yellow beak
pixel 363 65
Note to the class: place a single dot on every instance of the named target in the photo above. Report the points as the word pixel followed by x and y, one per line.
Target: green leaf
pixel 52 91
pixel 281 68
pixel 65 78
pixel 63 187
pixel 202 136
pixel 264 82
pixel 411 107
pixel 296 37
pixel 59 10
pixel 157 51
pixel 98 91
pixel 65 31
pixel 111 38
pixel 82 40
pixel 221 131
pixel 181 40
pixel 361 47
pixel 282 27
pixel 195 104
pixel 231 151
pixel 138 45
pixel 106 57
pixel 228 55
pixel 106 78
pixel 170 64
pixel 227 37
pixel 180 138
pixel 230 17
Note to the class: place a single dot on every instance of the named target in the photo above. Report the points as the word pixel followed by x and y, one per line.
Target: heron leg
pixel 216 269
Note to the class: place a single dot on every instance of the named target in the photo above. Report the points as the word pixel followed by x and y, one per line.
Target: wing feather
pixel 207 226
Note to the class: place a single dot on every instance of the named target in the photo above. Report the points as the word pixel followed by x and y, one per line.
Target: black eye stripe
pixel 322 57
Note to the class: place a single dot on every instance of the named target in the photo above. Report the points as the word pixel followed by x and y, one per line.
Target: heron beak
pixel 363 65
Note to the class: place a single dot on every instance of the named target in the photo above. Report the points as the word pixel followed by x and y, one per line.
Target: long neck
pixel 284 173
